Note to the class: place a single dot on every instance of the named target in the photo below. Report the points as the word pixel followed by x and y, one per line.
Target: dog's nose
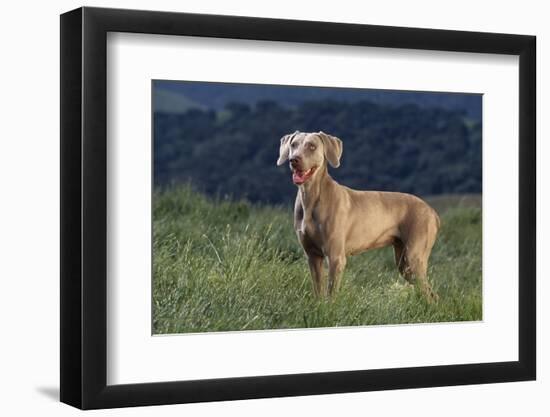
pixel 294 160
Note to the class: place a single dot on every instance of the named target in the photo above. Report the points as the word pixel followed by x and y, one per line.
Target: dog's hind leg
pixel 415 268
pixel 399 254
pixel 416 273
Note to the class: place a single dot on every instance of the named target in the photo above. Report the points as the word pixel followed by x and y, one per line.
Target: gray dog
pixel 333 221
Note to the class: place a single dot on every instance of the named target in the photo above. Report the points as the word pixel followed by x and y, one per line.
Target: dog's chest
pixel 310 230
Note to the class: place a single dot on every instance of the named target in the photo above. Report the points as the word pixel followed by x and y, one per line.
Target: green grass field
pixel 223 266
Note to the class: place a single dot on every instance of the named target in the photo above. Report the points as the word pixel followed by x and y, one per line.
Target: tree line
pixel 232 152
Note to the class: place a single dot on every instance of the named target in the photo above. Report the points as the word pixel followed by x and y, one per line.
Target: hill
pixel 232 152
pixel 217 95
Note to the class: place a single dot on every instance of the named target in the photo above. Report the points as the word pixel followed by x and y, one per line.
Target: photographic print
pixel 292 207
pixel 322 187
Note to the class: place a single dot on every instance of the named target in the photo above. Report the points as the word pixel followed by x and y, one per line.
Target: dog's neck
pixel 311 191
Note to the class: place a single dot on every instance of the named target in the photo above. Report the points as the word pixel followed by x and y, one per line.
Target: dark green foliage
pixel 232 152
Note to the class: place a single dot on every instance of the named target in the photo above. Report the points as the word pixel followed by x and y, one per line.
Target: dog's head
pixel 307 152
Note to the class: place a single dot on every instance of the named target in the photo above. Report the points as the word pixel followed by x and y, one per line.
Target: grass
pixel 223 265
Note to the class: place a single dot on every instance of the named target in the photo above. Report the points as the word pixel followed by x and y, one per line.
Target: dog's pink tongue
pixel 298 177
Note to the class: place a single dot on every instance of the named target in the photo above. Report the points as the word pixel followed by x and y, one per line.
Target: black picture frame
pixel 84 207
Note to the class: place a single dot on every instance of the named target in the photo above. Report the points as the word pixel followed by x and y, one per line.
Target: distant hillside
pixel 166 101
pixel 217 95
pixel 425 151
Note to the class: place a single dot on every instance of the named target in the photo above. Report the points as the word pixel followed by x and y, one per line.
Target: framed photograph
pixel 258 207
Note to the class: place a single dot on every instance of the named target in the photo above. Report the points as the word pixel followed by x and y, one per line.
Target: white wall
pixel 29 224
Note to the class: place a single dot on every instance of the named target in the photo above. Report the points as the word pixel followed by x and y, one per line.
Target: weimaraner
pixel 333 221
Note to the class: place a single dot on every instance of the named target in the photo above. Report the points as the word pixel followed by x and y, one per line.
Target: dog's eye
pixel 312 146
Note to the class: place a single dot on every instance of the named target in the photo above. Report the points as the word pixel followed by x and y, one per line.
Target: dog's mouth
pixel 299 177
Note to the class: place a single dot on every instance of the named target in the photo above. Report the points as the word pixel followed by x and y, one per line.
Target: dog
pixel 333 221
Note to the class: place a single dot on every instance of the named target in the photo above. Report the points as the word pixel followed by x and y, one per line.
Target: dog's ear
pixel 284 149
pixel 333 148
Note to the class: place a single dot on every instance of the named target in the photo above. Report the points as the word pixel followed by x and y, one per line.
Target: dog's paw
pixel 401 289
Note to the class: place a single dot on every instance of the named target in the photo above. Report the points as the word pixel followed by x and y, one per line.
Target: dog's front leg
pixel 336 266
pixel 315 263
